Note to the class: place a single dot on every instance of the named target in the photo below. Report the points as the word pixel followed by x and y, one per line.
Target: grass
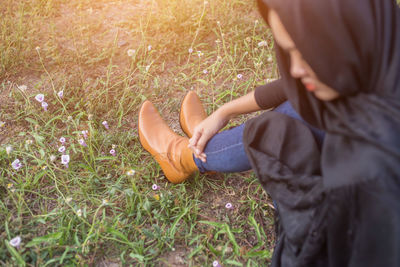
pixel 92 213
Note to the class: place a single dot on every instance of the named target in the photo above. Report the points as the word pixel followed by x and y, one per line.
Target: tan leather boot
pixel 168 149
pixel 192 113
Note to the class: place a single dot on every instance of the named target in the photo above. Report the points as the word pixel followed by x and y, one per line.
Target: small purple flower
pixel 63 140
pixel 15 242
pixel 105 124
pixel 190 50
pixel 39 98
pixel 82 142
pixel 239 76
pixel 155 187
pixel 44 105
pixel 112 152
pixel 65 160
pixel 85 134
pixel 60 94
pixel 61 149
pixel 216 264
pixel 205 71
pixel 229 205
pixel 16 164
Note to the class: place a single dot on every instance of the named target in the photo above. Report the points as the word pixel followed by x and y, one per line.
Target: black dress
pixel 339 206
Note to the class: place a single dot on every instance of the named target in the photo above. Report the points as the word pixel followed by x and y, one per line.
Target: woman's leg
pixel 225 150
pixel 286 108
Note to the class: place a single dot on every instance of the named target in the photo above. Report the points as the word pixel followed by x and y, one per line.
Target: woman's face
pixel 299 69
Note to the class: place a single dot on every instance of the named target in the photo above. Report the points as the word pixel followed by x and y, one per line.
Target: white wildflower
pixel 65 159
pixel 228 205
pixel 61 149
pixel 130 172
pixel 262 43
pixel 131 52
pixel 39 98
pixel 16 164
pixel 16 241
pixel 9 149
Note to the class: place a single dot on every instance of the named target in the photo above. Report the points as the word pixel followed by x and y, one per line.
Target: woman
pixel 337 205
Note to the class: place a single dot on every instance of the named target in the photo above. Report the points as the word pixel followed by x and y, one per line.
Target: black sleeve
pixel 270 95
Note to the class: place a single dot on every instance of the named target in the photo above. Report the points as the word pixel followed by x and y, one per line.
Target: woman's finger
pixel 196 136
pixel 202 157
pixel 201 143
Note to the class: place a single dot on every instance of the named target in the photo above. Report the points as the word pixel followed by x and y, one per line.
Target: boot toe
pixel 192 113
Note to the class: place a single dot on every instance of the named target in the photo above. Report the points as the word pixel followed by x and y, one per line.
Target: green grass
pixel 82 49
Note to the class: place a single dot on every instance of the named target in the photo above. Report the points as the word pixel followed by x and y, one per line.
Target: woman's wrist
pixel 242 105
pixel 226 111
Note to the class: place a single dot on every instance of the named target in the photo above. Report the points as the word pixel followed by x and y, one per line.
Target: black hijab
pixel 332 204
pixel 353 47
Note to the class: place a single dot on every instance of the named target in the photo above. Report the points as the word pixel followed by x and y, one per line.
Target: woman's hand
pixel 216 121
pixel 204 131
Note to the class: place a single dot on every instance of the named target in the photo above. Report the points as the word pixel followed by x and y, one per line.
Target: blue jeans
pixel 225 150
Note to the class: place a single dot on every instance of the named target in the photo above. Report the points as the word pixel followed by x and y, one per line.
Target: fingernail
pixel 198 151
